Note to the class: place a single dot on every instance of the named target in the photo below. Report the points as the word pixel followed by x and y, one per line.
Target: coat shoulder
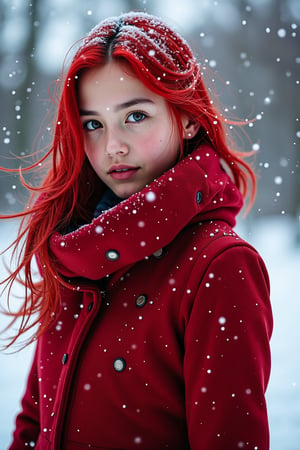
pixel 203 243
pixel 207 240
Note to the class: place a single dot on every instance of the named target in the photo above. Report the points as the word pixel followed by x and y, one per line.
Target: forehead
pixel 112 80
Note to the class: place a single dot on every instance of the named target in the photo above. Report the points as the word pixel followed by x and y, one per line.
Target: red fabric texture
pixel 174 352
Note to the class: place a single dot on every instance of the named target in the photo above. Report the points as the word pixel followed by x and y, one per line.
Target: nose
pixel 115 145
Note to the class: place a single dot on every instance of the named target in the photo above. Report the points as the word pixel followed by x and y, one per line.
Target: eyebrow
pixel 133 102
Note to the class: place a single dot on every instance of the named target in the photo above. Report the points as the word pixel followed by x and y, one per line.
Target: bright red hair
pixel 164 62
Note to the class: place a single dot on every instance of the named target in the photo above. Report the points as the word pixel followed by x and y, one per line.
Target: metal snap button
pixel 119 364
pixel 199 197
pixel 112 255
pixel 141 301
pixel 159 253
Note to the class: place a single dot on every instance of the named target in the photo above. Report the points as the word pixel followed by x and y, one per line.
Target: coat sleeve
pixel 27 425
pixel 227 354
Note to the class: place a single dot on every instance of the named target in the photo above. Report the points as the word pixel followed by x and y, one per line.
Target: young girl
pixel 153 316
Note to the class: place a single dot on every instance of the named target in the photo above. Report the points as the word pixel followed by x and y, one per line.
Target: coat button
pixel 112 255
pixel 65 358
pixel 141 301
pixel 159 253
pixel 119 364
pixel 199 197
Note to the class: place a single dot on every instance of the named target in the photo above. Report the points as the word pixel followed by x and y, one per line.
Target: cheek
pixel 92 148
pixel 156 142
pixel 95 161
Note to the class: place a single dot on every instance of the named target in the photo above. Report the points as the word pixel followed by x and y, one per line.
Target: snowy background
pixel 252 48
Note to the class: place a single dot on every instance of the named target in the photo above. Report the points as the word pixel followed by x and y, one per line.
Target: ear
pixel 190 127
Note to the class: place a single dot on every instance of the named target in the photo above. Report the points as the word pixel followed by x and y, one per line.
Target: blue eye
pixel 136 116
pixel 92 125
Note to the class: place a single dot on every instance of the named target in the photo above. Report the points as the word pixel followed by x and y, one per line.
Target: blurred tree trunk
pixel 16 114
pixel 24 138
pixel 286 88
pixel 274 69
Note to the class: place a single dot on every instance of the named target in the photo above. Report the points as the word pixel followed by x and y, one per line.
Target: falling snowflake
pixel 150 196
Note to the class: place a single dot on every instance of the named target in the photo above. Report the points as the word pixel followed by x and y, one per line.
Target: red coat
pixel 170 350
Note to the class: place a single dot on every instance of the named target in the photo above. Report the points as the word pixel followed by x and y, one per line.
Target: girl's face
pixel 130 135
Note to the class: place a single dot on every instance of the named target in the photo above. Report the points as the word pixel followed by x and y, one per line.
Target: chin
pixel 125 193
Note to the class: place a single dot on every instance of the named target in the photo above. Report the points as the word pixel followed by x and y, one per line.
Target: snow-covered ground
pixel 274 238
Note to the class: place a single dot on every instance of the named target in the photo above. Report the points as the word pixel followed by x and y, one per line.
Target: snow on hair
pixel 158 49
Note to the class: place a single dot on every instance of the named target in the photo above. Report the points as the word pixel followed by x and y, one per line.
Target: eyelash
pixel 98 124
pixel 139 113
pixel 90 122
